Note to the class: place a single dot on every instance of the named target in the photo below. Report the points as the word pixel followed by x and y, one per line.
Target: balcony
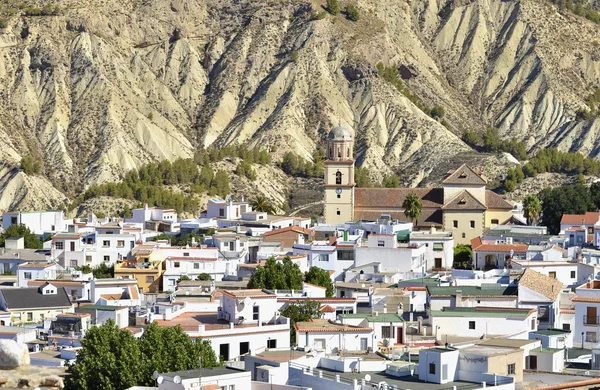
pixel 591 320
pixel 138 265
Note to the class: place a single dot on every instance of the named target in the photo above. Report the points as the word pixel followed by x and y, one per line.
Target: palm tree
pixel 532 208
pixel 412 206
pixel 260 203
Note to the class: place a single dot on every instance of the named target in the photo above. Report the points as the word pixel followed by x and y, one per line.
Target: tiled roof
pixel 296 229
pixel 479 245
pixel 393 197
pixel 36 265
pixel 327 309
pixel 465 175
pixel 321 300
pixel 589 218
pixel 495 201
pixel 483 312
pixel 32 298
pixel 464 201
pixel 541 284
pixel 317 325
pixel 255 293
pixel 472 291
pixel 585 299
pixel 428 217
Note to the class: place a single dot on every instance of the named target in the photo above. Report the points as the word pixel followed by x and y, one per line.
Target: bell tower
pixel 339 177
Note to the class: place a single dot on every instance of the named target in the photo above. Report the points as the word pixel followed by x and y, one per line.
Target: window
pixel 88 259
pixel 464 235
pixel 590 337
pixel 271 344
pixel 196 265
pixel 30 316
pixel 380 243
pixel 72 246
pixel 495 222
pixel 432 368
pixel 455 223
pixel 338 177
pixel 186 254
pixel 472 224
pixel 533 323
pixel 105 243
pixel 73 263
pixel 176 264
pixel 52 227
pixel 149 279
pixel 552 274
pixel 511 369
pixel 567 327
pixel 338 212
pixel 471 324
pixel 107 258
pixel 573 275
pixel 590 230
pixel 27 275
pixel 255 313
pixel 339 196
pixel 59 245
pixel 221 212
pixel 345 254
pixel 386 332
pixel 120 243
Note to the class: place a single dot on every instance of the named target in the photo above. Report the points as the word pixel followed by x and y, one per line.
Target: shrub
pixel 30 166
pixel 294 56
pixel 352 13
pixel 3 23
pixel 333 7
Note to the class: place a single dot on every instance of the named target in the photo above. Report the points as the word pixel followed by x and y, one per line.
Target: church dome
pixel 339 134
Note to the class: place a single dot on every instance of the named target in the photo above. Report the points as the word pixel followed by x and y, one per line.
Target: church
pixel 462 205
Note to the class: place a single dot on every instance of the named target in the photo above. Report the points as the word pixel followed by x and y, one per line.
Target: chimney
pixel 400 309
pixel 458 298
pixel 385 308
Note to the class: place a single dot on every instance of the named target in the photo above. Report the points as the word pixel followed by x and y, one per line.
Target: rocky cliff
pixel 108 85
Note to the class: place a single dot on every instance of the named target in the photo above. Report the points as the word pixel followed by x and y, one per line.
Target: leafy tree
pixel 362 178
pixel 204 276
pixel 30 166
pixel 352 13
pixel 557 201
pixel 260 203
pixel 392 181
pixel 532 208
pixel 333 7
pixel 86 269
pixel 300 312
pixel 470 138
pixel 463 255
pixel 595 194
pixel 412 206
pixel 30 240
pixel 437 112
pixel 183 278
pixel 221 183
pixel 103 271
pixel 3 23
pixel 320 277
pixel 277 275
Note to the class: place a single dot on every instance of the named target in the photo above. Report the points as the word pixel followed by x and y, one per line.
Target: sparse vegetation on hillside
pixel 362 178
pixel 295 165
pixel 30 165
pixel 333 7
pixel 593 102
pixel 352 13
pixel 490 141
pixel 579 7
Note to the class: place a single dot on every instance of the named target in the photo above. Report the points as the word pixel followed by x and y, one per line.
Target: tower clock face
pixel 338 191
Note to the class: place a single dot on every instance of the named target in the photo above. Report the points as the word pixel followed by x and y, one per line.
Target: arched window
pixel 339 152
pixel 338 177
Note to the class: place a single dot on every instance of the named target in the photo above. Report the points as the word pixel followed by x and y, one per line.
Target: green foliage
pixel 114 359
pixel 294 57
pixel 513 177
pixel 318 15
pixel 31 240
pixel 244 168
pixel 392 181
pixel 572 199
pixel 31 166
pixel 333 7
pixel 46 10
pixel 204 276
pixel 277 275
pixel 180 239
pixel 437 112
pixel 220 184
pixel 86 269
pixel 532 208
pixel 579 7
pixel 300 312
pixel 470 138
pixel 183 278
pixel 3 23
pixel 260 203
pixel 553 160
pixel 295 165
pixel 352 13
pixel 320 277
pixel 103 271
pixel 362 177
pixel 412 206
pixel 463 255
pixel 491 142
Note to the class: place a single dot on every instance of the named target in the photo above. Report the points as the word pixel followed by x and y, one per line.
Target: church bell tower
pixel 339 177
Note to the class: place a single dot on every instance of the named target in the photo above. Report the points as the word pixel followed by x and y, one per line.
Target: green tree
pixel 333 7
pixel 352 13
pixel 30 240
pixel 362 177
pixel 30 166
pixel 557 201
pixel 532 208
pixel 300 312
pixel 470 138
pixel 437 112
pixel 183 278
pixel 320 277
pixel 277 275
pixel 463 255
pixel 221 183
pixel 412 206
pixel 260 203
pixel 491 139
pixel 392 181
pixel 204 276
pixel 103 271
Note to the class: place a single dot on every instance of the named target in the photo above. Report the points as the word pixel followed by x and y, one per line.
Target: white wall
pixel 459 326
pixel 267 308
pixel 348 341
pixel 447 358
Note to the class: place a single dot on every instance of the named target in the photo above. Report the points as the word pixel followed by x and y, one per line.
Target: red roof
pixel 589 218
pixel 478 245
pixel 327 309
pixel 296 229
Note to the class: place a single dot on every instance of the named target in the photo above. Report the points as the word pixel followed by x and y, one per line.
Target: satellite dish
pixel 368 378
pixel 177 379
pixel 155 375
pixel 160 380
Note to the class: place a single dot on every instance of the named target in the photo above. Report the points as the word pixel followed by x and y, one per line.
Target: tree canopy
pixel 277 275
pixel 31 240
pixel 299 312
pixel 463 254
pixel 412 206
pixel 571 199
pixel 260 203
pixel 320 277
pixel 532 208
pixel 113 359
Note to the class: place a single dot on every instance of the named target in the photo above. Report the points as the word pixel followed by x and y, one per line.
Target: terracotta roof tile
pixel 465 175
pixel 479 245
pixel 327 309
pixel 393 197
pixel 464 201
pixel 317 325
pixel 541 284
pixel 495 201
pixel 589 218
pixel 296 229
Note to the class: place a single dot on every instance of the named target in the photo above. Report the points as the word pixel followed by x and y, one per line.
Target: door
pixel 224 352
pixel 592 316
pixel 400 335
pixel 72 246
pixel 438 262
pixel 531 362
pixel 244 347
pixel 363 344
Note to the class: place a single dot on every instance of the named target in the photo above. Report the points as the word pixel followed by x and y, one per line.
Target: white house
pixel 220 378
pixel 388 327
pixel 439 247
pixel 115 292
pixel 492 254
pixel 32 271
pixel 38 222
pixel 329 336
pixel 570 273
pixel 587 312
pixel 438 365
pixel 488 295
pixel 393 256
pixel 154 218
pixel 574 223
pixel 542 293
pixel 324 254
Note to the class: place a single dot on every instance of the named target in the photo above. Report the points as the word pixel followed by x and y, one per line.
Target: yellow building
pixel 145 267
pixel 462 205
